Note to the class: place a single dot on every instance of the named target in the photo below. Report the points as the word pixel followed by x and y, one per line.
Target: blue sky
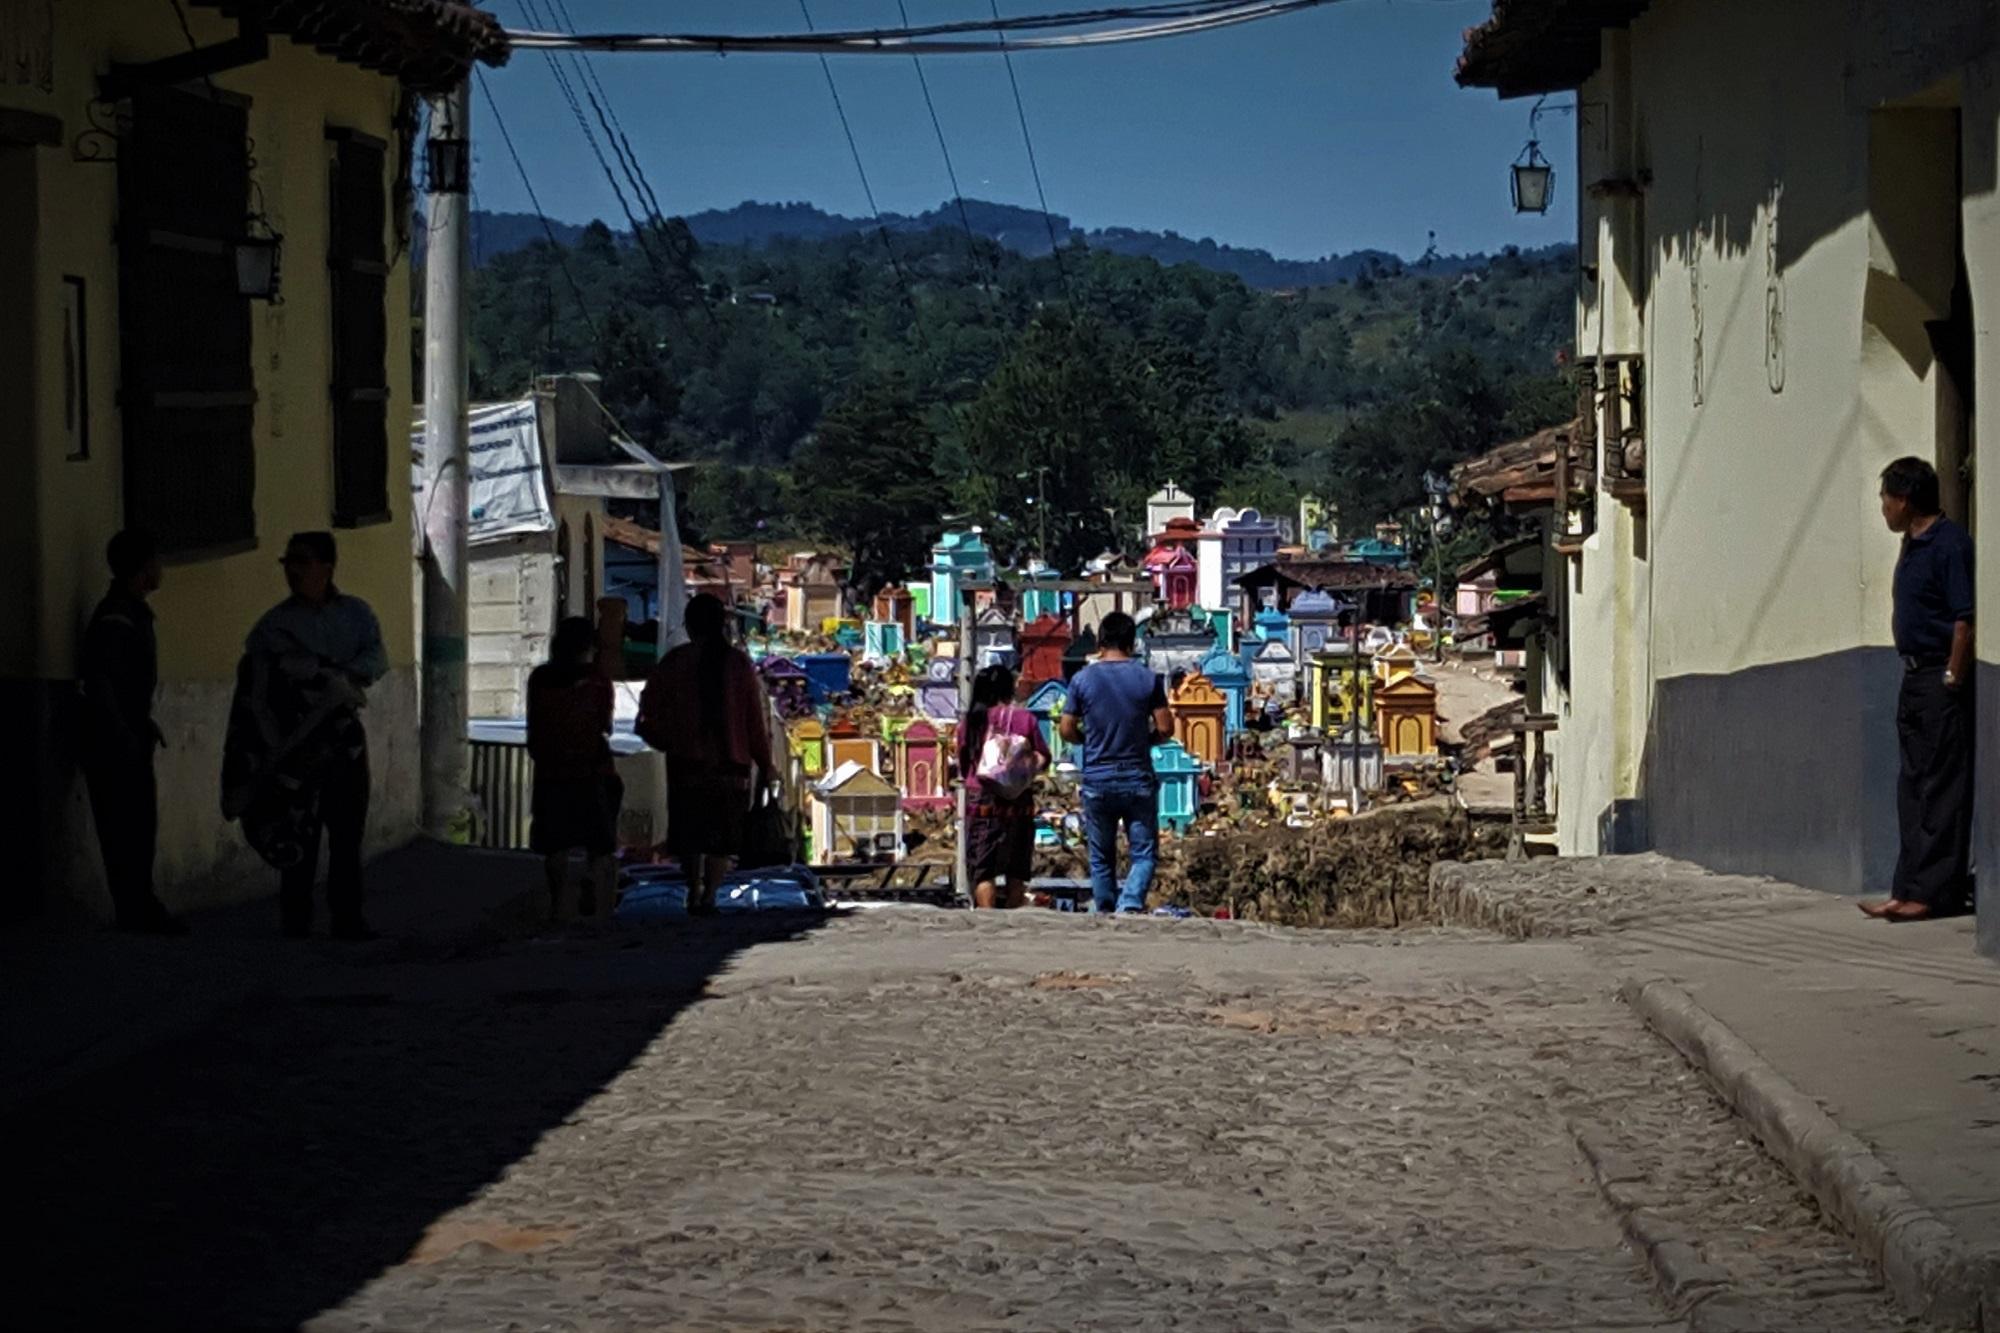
pixel 1332 130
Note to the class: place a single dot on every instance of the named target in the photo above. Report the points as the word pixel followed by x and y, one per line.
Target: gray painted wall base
pixel 1786 770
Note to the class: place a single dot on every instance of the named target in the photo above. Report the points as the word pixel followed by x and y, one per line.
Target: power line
pixel 561 252
pixel 1034 167
pixel 1157 21
pixel 950 171
pixel 868 191
pixel 628 161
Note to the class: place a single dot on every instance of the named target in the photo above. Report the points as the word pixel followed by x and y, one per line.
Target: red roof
pixel 427 44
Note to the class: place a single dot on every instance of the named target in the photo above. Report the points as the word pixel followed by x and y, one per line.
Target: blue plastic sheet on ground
pixel 657 893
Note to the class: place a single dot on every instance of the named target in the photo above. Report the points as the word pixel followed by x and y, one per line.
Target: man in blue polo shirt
pixel 1933 631
pixel 1117 710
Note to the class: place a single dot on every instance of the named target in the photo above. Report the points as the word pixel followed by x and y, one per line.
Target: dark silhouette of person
pixel 577 789
pixel 297 727
pixel 119 673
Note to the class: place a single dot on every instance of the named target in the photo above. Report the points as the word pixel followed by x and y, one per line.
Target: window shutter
pixel 187 394
pixel 358 274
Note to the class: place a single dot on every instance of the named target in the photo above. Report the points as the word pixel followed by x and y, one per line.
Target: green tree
pixel 865 482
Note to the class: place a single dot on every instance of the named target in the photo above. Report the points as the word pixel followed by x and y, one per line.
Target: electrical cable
pixel 868 192
pixel 944 149
pixel 1175 20
pixel 561 251
pixel 1034 167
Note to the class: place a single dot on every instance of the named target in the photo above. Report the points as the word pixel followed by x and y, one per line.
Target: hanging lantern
pixel 257 265
pixel 1534 181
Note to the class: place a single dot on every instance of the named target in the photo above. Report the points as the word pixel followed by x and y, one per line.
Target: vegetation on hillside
pixel 1035 394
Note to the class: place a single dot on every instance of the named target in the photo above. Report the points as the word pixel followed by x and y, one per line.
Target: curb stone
pixel 1932 1273
pixel 1688 1281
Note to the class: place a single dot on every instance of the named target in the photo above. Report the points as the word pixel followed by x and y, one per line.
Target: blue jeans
pixel 1135 805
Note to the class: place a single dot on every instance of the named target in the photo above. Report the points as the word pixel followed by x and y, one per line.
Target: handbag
pixel 768 838
pixel 1006 761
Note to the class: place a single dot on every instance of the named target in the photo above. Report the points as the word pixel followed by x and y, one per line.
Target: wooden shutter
pixel 358 275
pixel 187 392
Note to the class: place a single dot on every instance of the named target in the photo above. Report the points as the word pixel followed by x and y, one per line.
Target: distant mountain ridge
pixel 1023 230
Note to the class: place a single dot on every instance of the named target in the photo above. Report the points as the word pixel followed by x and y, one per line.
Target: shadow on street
pixel 260 1170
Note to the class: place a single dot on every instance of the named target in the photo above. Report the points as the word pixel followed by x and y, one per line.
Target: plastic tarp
pixel 509 486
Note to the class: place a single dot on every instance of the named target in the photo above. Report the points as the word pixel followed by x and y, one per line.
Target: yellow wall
pixel 207 606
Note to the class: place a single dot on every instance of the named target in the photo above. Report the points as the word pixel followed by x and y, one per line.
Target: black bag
pixel 769 838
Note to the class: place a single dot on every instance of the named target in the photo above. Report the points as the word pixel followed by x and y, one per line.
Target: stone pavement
pixel 1892 1031
pixel 96 996
pixel 912 1120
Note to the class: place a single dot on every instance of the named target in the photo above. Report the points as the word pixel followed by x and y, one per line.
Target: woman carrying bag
pixel 1000 752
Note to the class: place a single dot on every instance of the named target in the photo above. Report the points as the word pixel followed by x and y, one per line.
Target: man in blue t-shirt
pixel 1117 711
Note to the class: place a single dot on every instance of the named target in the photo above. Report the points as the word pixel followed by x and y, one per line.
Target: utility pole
pixel 962 873
pixel 673 576
pixel 447 757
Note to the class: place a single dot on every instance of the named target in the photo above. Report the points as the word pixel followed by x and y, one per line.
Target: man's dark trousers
pixel 1934 791
pixel 343 813
pixel 124 802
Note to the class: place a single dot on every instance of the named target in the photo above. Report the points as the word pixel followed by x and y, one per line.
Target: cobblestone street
pixel 926 1121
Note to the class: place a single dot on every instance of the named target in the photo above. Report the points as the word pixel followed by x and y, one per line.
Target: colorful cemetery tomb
pixel 958 558
pixel 1167 504
pixel 1249 542
pixel 937 697
pixel 1271 623
pixel 808 743
pixel 1315 617
pixel 883 640
pixel 1175 643
pixel 1225 671
pixel 855 816
pixel 1200 719
pixel 896 606
pixel 1077 656
pixel 1221 624
pixel 1302 756
pixel 1179 774
pixel 1039 594
pixel 847 633
pixel 1394 662
pixel 1338 693
pixel 830 675
pixel 1352 760
pixel 921 772
pixel 846 745
pixel 810 584
pixel 1042 644
pixel 1174 572
pixel 993 639
pixel 789 690
pixel 920 605
pixel 1274 672
pixel 1047 703
pixel 1406 715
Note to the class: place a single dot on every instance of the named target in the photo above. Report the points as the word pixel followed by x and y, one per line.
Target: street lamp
pixel 256 258
pixel 1437 488
pixel 1041 476
pixel 1534 180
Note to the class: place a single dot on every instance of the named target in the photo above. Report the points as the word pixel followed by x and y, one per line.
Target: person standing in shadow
pixel 120 672
pixel 577 792
pixel 703 708
pixel 295 765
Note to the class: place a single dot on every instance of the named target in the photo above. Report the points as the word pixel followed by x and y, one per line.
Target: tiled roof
pixel 427 44
pixel 1539 46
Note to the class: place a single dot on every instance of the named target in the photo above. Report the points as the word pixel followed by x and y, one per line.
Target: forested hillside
pixel 959 376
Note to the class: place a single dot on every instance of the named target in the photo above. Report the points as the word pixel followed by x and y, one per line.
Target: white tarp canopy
pixel 508 491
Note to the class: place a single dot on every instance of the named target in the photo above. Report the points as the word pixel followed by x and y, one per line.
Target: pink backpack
pixel 1006 766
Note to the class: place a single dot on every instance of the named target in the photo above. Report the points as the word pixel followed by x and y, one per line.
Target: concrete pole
pixel 962 874
pixel 447 757
pixel 673 576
